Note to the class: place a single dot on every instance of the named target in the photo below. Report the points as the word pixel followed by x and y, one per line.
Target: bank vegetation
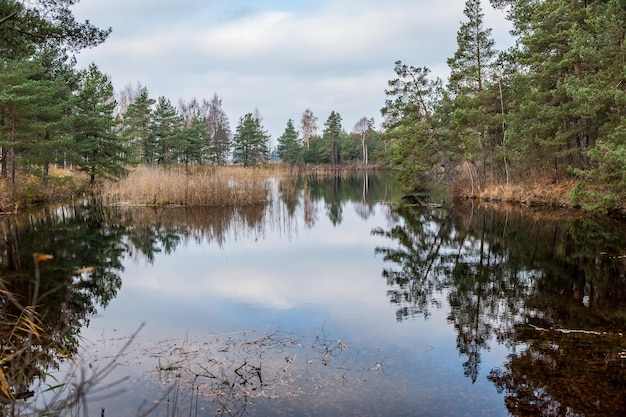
pixel 540 123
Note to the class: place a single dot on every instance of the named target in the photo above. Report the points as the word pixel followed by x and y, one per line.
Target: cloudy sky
pixel 278 56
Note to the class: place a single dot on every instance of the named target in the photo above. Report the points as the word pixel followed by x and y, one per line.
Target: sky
pixel 279 57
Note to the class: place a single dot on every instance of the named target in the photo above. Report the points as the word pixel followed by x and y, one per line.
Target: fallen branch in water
pixel 542 329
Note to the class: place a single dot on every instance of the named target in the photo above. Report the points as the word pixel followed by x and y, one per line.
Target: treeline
pixel 334 146
pixel 550 110
pixel 54 114
pixel 547 111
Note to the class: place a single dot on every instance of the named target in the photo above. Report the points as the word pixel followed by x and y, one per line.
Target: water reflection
pixel 89 244
pixel 44 305
pixel 553 290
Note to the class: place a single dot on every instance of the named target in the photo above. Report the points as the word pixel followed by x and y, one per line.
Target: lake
pixel 331 300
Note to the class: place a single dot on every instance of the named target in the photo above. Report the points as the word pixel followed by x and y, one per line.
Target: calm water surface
pixel 330 302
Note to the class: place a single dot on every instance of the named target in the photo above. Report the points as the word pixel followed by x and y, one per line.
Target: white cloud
pixel 281 57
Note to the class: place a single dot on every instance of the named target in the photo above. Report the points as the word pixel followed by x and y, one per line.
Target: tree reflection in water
pixel 58 296
pixel 553 290
pixel 88 243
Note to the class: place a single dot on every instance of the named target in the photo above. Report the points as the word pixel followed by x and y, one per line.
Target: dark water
pixel 326 302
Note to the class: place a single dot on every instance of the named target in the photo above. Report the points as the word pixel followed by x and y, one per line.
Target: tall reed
pixel 192 186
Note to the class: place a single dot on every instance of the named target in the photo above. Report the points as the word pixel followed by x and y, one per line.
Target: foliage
pixel 165 143
pixel 97 149
pixel 289 149
pixel 250 143
pixel 532 114
pixel 413 145
pixel 549 109
pixel 602 188
pixel 470 89
pixel 26 26
pixel 136 124
pixel 332 135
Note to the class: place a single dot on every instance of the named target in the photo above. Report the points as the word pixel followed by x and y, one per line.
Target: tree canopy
pixel 547 111
pixel 25 26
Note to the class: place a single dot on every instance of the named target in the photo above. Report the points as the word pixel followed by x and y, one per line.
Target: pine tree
pixel 414 145
pixel 136 122
pixel 35 98
pixel 97 149
pixel 475 53
pixel 20 101
pixel 194 140
pixel 548 134
pixel 288 145
pixel 474 113
pixel 165 140
pixel 333 135
pixel 250 141
pixel 27 26
pixel 60 81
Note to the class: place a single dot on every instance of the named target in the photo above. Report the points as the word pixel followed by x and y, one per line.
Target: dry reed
pixel 191 187
pixel 537 194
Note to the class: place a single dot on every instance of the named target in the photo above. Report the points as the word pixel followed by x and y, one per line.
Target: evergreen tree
pixel 349 148
pixel 165 139
pixel 547 131
pixel 21 97
pixel 288 145
pixel 475 53
pixel 474 113
pixel 97 149
pixel 250 141
pixel 60 81
pixel 413 143
pixel 136 122
pixel 194 140
pixel 598 92
pixel 35 98
pixel 26 26
pixel 332 135
pixel 319 151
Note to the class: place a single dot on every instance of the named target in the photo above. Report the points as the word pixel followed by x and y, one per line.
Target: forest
pixel 546 114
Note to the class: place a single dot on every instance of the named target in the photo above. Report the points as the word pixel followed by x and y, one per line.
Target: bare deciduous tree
pixel 362 128
pixel 309 127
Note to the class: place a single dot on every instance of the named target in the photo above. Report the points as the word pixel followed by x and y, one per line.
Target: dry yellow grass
pixel 30 190
pixel 537 194
pixel 199 186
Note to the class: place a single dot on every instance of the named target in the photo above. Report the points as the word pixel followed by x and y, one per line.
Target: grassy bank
pixel 198 186
pixel 529 194
pixel 192 186
pixel 61 185
pixel 564 194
